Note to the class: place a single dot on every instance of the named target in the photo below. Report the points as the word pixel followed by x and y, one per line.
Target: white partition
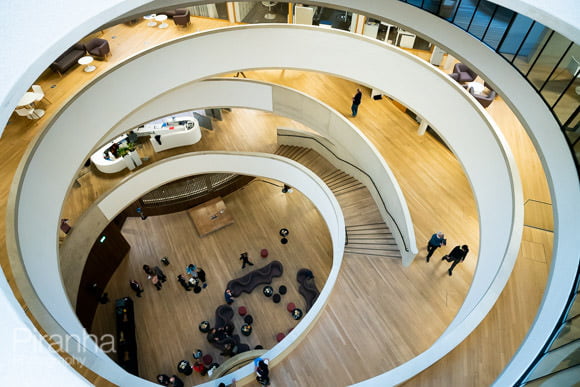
pixel 290 46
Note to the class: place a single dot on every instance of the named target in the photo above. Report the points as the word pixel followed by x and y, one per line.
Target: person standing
pixel 228 296
pixel 176 381
pixel 456 256
pixel 245 260
pixel 355 102
pixel 136 286
pixel 262 371
pixel 183 282
pixel 201 274
pixel 163 379
pixel 147 270
pixel 437 240
pixel 155 281
pixel 160 273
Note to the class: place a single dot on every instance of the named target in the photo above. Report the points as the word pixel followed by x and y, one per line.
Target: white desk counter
pixel 179 131
pixel 106 162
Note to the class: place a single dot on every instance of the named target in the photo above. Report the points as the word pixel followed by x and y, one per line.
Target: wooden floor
pixel 380 314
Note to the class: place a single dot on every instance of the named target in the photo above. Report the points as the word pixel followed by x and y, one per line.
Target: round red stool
pixel 207 359
pixel 290 307
pixel 280 336
pixel 264 253
pixel 242 311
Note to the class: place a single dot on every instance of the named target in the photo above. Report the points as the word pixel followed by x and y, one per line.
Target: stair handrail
pixel 361 170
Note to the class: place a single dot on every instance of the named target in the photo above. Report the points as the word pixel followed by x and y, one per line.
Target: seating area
pixel 484 99
pixel 462 73
pixel 254 278
pixel 307 288
pixel 467 77
pixel 96 47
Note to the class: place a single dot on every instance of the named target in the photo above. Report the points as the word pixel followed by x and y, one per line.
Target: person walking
pixel 245 260
pixel 437 240
pixel 355 102
pixel 456 256
pixel 136 286
pixel 163 379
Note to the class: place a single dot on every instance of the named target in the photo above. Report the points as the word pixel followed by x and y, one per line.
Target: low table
pixel 477 87
pixel 210 216
pixel 151 19
pixel 161 19
pixel 87 60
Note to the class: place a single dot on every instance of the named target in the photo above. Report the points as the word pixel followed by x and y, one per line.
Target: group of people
pixel 457 254
pixel 155 275
pixel 196 281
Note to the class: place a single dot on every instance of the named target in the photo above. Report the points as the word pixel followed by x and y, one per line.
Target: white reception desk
pixel 173 133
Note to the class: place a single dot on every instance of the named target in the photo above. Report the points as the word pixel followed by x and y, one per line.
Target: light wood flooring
pixel 380 314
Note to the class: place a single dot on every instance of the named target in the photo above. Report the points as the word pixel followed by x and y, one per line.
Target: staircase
pixel 367 234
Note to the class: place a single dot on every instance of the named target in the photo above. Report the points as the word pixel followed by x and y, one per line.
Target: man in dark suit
pixel 456 255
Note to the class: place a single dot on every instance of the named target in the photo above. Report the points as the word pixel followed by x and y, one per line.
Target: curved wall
pixel 293 47
pixel 255 164
pixel 280 100
pixel 71 20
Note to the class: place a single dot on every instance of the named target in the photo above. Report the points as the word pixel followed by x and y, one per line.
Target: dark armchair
pixel 172 13
pixel 484 99
pixel 462 73
pixel 182 19
pixel 98 48
pixel 68 59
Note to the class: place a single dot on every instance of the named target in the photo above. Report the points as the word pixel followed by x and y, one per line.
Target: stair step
pixel 389 254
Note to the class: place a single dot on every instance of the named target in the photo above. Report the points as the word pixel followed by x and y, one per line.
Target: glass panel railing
pixel 515 36
pixel 567 377
pixel 570 331
pixel 551 64
pixel 575 308
pixel 557 360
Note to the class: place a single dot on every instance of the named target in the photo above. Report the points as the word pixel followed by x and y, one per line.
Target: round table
pixel 269 4
pixel 27 99
pixel 151 19
pixel 87 60
pixel 246 329
pixel 161 19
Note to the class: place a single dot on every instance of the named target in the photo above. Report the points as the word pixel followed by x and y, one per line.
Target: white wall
pixel 402 74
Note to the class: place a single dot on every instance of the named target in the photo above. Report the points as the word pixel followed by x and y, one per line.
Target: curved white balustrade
pixel 24 66
pixel 351 143
pixel 293 46
pixel 253 164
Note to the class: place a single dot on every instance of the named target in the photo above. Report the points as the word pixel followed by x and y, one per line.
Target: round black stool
pixel 268 291
pixel 204 326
